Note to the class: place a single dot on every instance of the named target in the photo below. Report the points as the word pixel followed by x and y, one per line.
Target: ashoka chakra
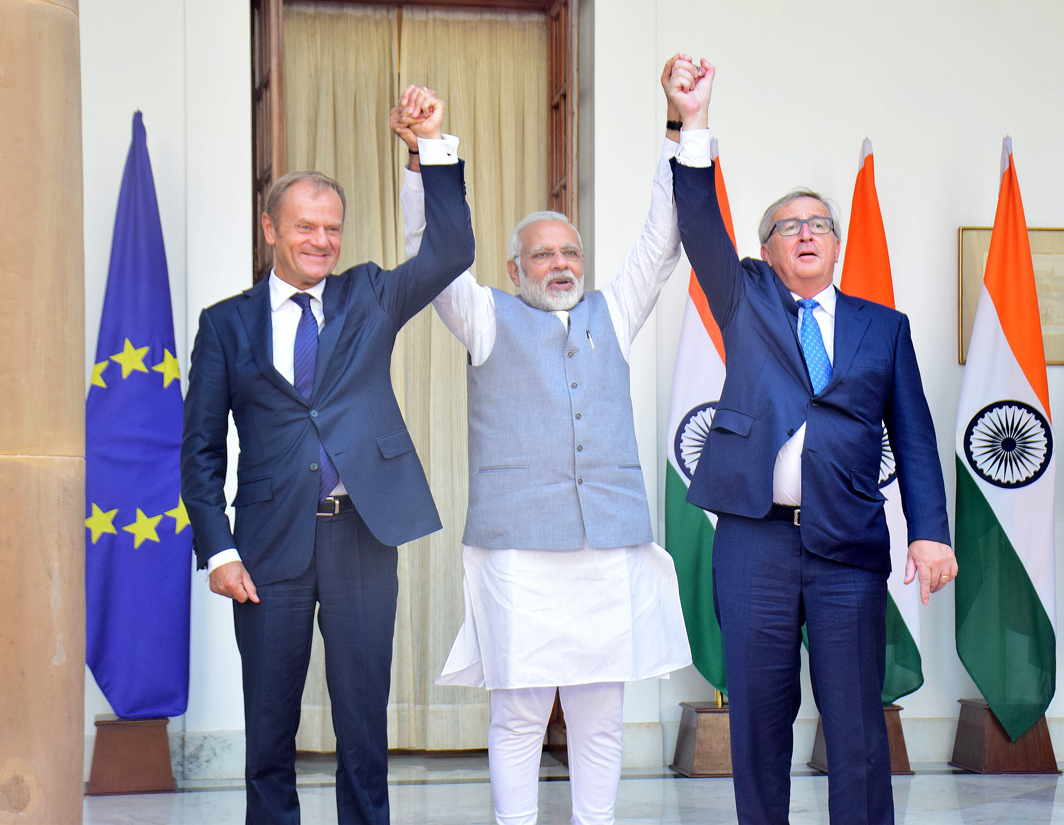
pixel 887 469
pixel 691 437
pixel 1008 444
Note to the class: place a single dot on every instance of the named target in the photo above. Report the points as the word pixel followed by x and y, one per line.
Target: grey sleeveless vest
pixel 552 451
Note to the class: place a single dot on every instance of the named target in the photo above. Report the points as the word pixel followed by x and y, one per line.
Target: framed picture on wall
pixel 1047 252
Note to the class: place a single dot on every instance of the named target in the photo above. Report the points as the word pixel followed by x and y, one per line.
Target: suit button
pixel 579 416
pixel 790 431
pixel 313 413
pixel 571 353
pixel 579 481
pixel 579 448
pixel 314 466
pixel 574 385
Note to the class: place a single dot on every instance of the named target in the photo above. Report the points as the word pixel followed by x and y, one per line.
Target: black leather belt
pixel 784 512
pixel 334 505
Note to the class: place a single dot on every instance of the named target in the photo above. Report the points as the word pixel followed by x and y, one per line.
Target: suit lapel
pixel 255 313
pixel 792 350
pixel 335 307
pixel 851 323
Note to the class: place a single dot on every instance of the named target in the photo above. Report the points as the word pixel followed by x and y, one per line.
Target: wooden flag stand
pixel 130 756
pixel 982 746
pixel 899 754
pixel 703 745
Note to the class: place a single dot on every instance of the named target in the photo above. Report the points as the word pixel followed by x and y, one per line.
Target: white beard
pixel 540 296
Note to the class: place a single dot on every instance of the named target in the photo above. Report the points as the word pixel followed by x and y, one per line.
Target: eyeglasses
pixel 817 224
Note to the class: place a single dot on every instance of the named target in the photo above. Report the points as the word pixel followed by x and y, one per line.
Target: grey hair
pixel 514 250
pixel 764 229
pixel 316 179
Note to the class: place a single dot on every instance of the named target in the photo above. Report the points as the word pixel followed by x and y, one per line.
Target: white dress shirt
pixel 285 313
pixel 284 317
pixel 787 472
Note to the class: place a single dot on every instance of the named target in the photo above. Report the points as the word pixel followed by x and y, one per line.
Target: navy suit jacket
pixel 352 410
pixel 767 395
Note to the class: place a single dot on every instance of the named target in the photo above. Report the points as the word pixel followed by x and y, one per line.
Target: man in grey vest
pixel 565 589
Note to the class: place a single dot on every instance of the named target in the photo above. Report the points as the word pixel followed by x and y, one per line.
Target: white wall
pixel 935 87
pixel 186 65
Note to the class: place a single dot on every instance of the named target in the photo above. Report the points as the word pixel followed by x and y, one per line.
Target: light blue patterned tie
pixel 816 357
pixel 304 363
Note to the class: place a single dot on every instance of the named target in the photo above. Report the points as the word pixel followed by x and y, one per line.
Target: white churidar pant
pixel 594 732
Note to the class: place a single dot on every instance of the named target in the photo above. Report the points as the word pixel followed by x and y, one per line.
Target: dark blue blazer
pixel 767 395
pixel 353 410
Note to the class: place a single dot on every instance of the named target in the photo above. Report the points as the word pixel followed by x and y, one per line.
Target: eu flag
pixel 138 542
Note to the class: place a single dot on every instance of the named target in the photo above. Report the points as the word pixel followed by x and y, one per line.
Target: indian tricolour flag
pixel 866 274
pixel 696 386
pixel 1005 478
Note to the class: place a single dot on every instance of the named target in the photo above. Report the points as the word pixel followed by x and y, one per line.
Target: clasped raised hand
pixel 419 114
pixel 690 88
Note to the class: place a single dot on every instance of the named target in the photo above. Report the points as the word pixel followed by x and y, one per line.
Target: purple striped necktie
pixel 304 363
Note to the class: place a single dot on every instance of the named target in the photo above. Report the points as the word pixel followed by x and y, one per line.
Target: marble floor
pixel 454 791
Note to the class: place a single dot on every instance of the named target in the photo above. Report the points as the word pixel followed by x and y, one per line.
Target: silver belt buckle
pixel 335 503
pixel 797 520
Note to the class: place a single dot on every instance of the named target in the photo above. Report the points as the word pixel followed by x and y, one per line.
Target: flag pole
pixel 703 746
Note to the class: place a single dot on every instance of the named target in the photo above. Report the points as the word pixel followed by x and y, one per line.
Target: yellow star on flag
pixel 131 358
pixel 170 367
pixel 97 374
pixel 180 516
pixel 143 528
pixel 101 522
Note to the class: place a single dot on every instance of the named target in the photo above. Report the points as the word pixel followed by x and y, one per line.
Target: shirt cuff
pixel 669 148
pixel 694 148
pixel 438 151
pixel 220 558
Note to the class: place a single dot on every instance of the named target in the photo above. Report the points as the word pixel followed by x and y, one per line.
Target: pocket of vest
pixel 492 468
pixel 732 421
pixel 395 444
pixel 251 492
pixel 629 466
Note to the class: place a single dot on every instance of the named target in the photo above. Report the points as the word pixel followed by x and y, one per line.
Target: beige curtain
pixel 344 67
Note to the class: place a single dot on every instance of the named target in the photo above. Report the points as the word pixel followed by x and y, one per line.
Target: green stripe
pixel 689 539
pixel 1004 636
pixel 904 672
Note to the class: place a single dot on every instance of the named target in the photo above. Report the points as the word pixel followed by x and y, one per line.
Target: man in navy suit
pixel 791 468
pixel 328 482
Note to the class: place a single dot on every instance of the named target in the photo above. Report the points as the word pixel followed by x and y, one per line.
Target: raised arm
pixel 465 307
pixel 632 294
pixel 446 247
pixel 702 230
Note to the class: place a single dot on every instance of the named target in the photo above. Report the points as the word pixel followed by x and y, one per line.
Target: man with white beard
pixel 564 588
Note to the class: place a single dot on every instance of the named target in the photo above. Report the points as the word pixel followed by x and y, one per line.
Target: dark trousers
pixel 352 579
pixel 766 585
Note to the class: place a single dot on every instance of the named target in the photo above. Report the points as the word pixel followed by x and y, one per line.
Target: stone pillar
pixel 42 403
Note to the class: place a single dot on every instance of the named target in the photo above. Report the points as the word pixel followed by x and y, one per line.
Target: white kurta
pixel 540 618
